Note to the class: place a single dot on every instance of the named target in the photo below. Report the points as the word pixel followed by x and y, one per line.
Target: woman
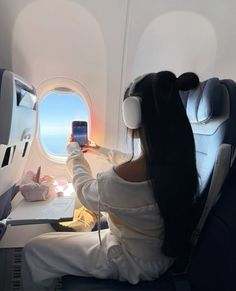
pixel 148 200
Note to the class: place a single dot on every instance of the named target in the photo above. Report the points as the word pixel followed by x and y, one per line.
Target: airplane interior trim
pixel 96 58
pixel 63 86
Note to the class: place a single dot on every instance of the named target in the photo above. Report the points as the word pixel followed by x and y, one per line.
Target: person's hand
pixel 70 139
pixel 91 147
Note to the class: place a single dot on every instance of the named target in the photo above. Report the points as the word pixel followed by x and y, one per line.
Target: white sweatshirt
pixel 133 214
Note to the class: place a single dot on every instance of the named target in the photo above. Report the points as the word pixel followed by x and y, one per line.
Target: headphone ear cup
pixel 131 109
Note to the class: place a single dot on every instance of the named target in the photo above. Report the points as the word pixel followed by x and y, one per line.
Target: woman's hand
pixel 70 139
pixel 91 147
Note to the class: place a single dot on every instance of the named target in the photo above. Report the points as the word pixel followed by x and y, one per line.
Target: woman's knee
pixel 34 247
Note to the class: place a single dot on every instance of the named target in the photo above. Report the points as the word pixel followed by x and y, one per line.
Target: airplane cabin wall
pixel 78 42
pixel 100 46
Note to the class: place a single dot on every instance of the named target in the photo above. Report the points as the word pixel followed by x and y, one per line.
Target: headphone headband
pixel 134 83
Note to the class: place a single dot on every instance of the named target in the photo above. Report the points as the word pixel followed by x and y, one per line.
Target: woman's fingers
pixel 70 139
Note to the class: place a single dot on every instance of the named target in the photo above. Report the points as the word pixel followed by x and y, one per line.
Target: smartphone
pixel 80 132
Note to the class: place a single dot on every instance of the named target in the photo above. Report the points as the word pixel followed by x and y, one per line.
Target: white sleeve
pixel 86 187
pixel 112 156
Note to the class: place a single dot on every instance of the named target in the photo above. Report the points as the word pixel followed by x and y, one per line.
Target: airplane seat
pixel 18 113
pixel 210 109
pixel 213 266
pixel 211 115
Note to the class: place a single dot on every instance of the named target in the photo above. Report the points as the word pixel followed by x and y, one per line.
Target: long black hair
pixel 168 146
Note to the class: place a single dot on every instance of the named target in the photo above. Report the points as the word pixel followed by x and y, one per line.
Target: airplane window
pixel 56 113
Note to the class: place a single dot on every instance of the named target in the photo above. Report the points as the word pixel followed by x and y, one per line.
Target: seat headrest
pixel 204 102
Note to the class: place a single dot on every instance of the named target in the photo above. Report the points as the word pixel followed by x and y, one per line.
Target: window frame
pixel 50 86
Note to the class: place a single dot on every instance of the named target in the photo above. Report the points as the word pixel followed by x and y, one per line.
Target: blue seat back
pixel 208 110
pixel 213 265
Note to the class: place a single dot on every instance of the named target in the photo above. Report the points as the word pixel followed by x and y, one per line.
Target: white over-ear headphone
pixel 131 107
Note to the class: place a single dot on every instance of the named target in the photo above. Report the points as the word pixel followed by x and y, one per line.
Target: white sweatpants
pixel 53 255
pixel 56 254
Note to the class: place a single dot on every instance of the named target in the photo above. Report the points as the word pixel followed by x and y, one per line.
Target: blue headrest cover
pixel 203 103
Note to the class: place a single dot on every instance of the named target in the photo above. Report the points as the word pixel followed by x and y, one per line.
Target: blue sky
pixel 56 113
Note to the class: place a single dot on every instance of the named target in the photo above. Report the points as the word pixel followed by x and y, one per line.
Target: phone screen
pixel 79 132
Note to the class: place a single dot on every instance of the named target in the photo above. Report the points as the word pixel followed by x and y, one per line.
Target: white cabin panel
pixel 78 41
pixel 179 36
